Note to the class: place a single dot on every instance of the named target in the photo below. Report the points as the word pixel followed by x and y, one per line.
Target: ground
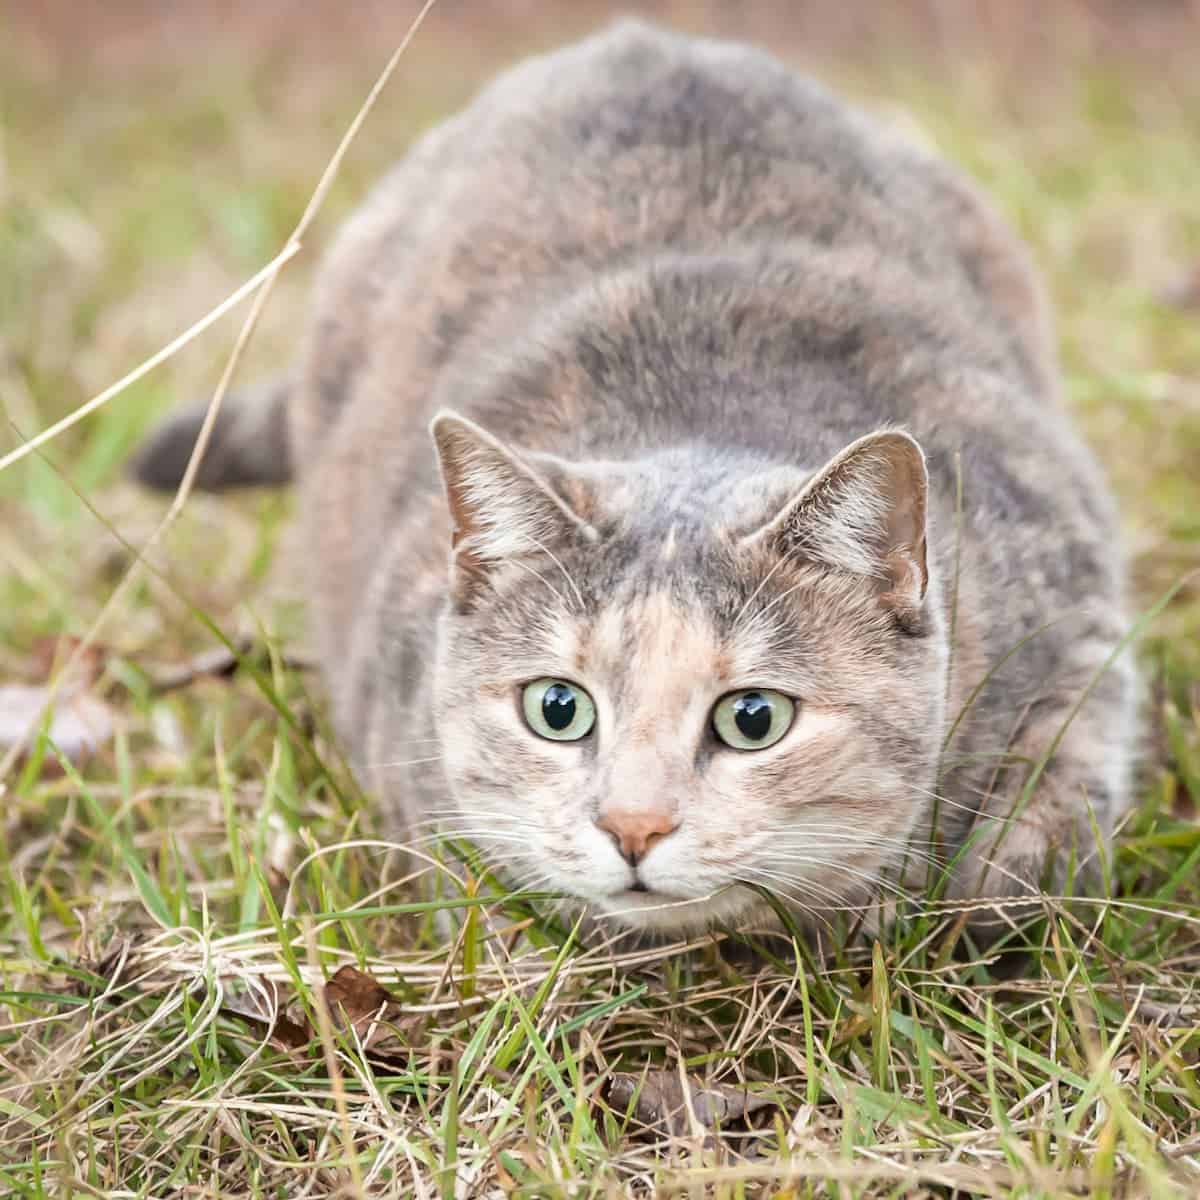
pixel 213 859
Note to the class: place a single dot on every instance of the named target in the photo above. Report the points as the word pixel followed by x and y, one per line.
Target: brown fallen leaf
pixel 264 1010
pixel 360 997
pixel 360 1000
pixel 355 1001
pixel 80 724
pixel 661 1103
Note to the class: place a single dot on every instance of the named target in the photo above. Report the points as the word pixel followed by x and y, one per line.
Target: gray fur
pixel 659 285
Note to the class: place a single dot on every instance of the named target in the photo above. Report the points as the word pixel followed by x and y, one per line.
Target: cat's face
pixel 650 703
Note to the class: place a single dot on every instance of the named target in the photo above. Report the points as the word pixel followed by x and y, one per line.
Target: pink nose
pixel 636 832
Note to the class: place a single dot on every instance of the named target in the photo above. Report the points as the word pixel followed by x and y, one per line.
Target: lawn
pixel 216 982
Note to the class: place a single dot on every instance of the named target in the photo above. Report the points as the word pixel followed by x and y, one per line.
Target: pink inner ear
pixel 905 556
pixel 908 581
pixel 904 490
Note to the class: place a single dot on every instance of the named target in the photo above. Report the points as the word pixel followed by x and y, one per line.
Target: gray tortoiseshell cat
pixel 682 596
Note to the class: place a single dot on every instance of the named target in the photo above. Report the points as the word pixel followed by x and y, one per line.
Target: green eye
pixel 752 720
pixel 558 710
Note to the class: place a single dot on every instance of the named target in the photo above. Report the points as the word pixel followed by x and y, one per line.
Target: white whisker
pixel 980 813
pixel 874 882
pixel 538 575
pixel 468 835
pixel 760 616
pixel 754 594
pixel 566 574
pixel 785 891
pixel 797 881
pixel 810 837
pixel 401 762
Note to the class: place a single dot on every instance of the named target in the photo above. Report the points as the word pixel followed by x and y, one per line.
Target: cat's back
pixel 632 145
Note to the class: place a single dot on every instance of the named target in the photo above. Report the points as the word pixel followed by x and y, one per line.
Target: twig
pixel 218 663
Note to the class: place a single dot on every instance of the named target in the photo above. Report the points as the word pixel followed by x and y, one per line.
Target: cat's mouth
pixel 640 897
pixel 644 893
pixel 648 909
pixel 644 908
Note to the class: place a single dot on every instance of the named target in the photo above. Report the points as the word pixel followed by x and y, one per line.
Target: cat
pixel 752 548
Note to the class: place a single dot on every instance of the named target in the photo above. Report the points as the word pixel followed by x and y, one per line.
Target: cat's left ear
pixel 502 505
pixel 864 512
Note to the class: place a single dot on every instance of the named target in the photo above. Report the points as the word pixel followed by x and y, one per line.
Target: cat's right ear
pixel 501 506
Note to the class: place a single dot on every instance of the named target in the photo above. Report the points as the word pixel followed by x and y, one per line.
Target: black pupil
pixel 752 716
pixel 558 706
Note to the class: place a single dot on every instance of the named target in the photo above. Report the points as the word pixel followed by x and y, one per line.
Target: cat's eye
pixel 558 710
pixel 752 720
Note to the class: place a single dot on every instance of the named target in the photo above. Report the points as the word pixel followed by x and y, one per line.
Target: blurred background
pixel 153 155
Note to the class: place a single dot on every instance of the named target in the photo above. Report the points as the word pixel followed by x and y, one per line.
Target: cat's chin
pixel 659 912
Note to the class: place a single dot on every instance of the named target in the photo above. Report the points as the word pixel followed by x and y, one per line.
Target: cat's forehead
pixel 713 618
pixel 659 644
pixel 698 495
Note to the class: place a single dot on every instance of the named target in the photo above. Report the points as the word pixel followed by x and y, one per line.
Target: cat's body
pixel 675 281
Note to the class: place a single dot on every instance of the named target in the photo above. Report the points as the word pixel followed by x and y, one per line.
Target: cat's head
pixel 659 681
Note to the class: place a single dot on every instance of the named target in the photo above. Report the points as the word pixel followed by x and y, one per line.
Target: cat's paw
pixel 1001 880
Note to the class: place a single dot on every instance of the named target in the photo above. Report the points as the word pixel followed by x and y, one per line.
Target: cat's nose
pixel 636 832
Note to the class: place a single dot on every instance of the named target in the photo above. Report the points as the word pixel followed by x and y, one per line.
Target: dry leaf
pixel 263 1009
pixel 370 1009
pixel 361 998
pixel 354 999
pixel 661 1104
pixel 79 726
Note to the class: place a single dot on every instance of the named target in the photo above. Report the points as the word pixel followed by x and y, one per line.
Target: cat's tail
pixel 249 446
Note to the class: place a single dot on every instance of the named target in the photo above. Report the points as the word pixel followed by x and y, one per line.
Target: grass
pixel 216 858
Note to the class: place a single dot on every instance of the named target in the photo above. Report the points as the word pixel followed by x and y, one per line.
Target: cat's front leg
pixel 1050 801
